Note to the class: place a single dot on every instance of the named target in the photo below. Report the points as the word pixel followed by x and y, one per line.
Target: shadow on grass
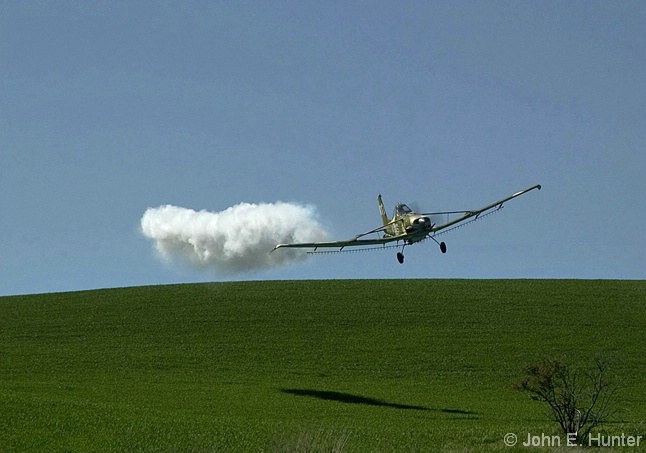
pixel 358 399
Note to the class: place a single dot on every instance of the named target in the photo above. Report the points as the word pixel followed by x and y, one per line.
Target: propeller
pixel 437 218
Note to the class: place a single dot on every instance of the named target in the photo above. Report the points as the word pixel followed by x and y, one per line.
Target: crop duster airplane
pixel 410 227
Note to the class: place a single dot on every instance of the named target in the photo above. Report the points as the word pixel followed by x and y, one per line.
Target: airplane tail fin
pixel 382 210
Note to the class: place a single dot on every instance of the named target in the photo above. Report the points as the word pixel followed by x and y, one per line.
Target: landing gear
pixel 400 255
pixel 441 244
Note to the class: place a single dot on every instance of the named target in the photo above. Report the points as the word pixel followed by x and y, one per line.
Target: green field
pixel 371 365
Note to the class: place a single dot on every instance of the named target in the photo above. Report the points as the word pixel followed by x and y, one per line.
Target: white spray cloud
pixel 235 240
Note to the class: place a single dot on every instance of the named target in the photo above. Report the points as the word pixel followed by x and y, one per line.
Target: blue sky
pixel 108 109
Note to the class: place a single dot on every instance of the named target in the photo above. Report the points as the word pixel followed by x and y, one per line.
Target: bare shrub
pixel 578 400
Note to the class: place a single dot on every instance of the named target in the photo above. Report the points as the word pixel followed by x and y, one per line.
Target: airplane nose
pixel 423 222
pixel 426 222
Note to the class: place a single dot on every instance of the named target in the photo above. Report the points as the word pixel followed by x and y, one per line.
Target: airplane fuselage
pixel 415 225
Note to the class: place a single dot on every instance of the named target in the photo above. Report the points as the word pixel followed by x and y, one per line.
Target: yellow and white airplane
pixel 410 227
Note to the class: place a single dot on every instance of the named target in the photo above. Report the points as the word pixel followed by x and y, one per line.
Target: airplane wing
pixel 477 212
pixel 354 242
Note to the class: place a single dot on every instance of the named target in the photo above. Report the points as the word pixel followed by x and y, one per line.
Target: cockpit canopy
pixel 402 209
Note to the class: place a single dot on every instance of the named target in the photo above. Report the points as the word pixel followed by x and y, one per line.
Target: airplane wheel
pixel 400 257
pixel 443 247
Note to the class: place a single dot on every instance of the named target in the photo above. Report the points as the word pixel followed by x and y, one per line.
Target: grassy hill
pixel 372 365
